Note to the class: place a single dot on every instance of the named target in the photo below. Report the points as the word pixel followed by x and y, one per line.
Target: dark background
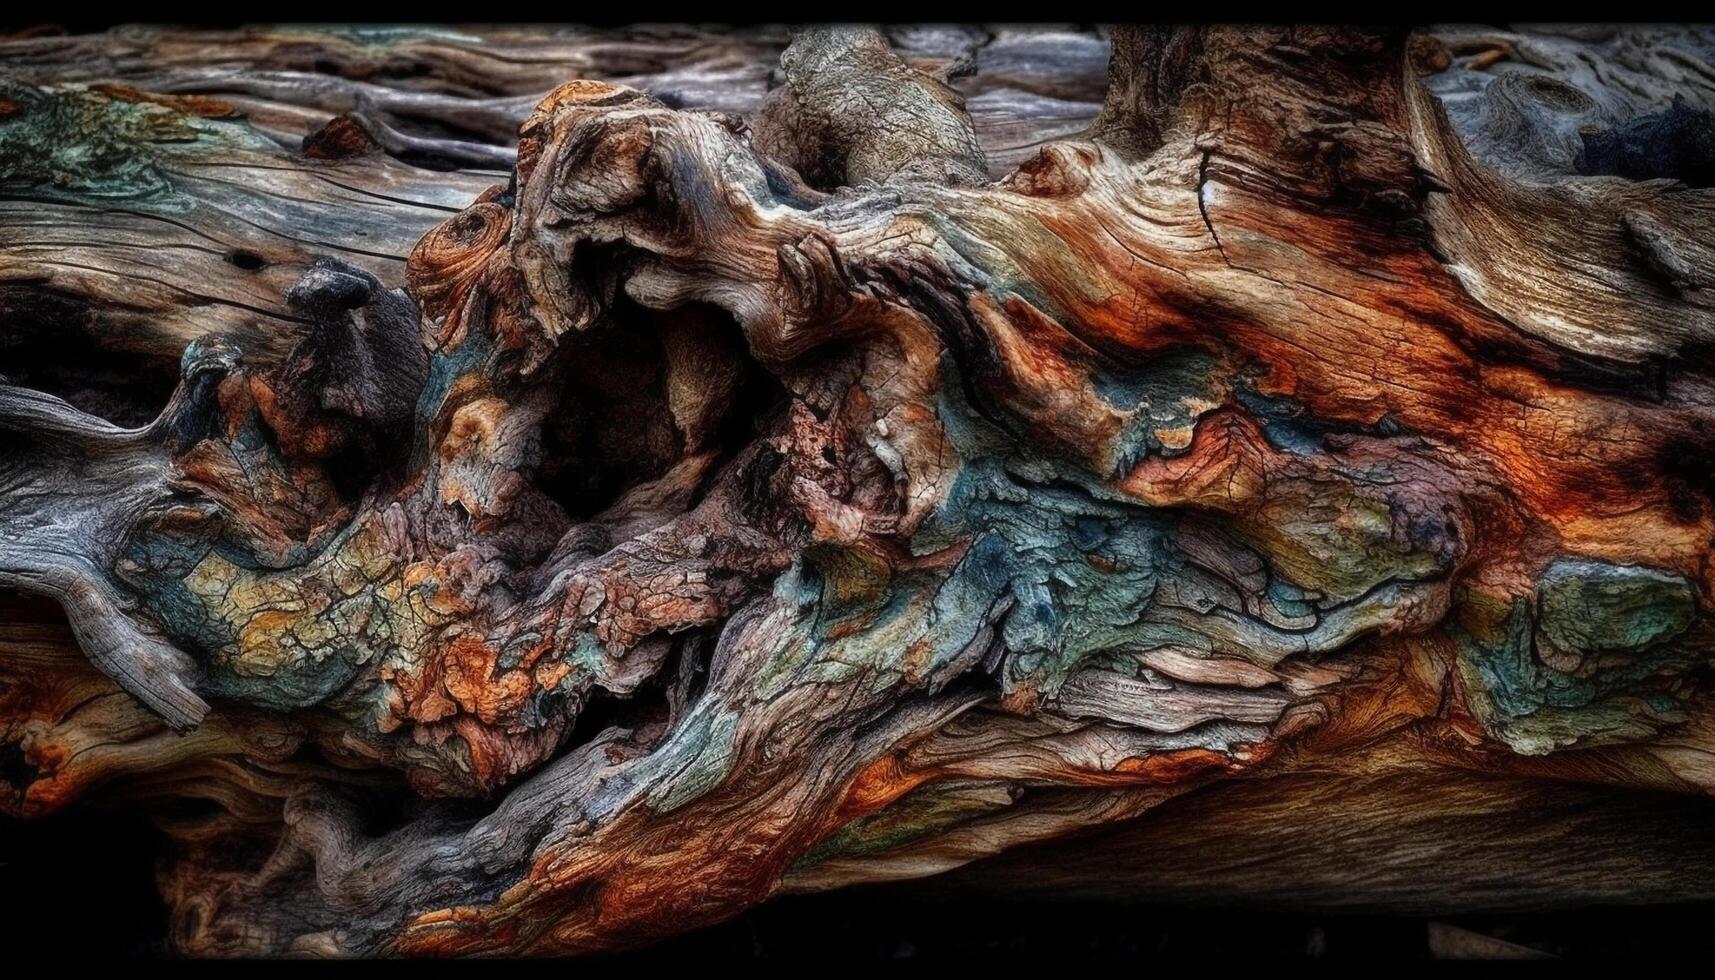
pixel 82 885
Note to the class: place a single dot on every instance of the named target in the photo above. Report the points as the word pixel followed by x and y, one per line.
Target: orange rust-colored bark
pixel 741 505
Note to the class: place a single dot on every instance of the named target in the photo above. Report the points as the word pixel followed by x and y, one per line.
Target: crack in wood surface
pixel 782 480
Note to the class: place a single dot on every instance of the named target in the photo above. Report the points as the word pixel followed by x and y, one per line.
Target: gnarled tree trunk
pixel 795 478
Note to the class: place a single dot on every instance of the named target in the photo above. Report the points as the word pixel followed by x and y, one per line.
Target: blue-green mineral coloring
pixel 1586 657
pixel 1592 606
pixel 82 146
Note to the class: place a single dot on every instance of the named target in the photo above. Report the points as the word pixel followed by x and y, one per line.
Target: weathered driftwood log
pixel 737 498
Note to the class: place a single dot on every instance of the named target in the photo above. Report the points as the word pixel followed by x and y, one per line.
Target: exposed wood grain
pixel 1424 842
pixel 608 480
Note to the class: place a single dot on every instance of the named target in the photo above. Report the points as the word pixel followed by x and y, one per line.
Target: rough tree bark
pixel 829 485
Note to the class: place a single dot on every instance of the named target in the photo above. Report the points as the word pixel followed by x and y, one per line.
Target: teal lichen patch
pixel 446 369
pixel 1165 400
pixel 87 146
pixel 1080 571
pixel 1045 570
pixel 1589 607
pixel 1290 426
pixel 1344 539
pixel 698 757
pixel 1335 524
pixel 278 640
pixel 1592 655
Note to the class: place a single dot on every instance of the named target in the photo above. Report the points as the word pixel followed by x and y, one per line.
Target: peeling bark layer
pixel 764 484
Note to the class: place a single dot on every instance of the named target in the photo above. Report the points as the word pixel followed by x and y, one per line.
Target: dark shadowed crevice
pixel 1677 143
pixel 46 343
pixel 624 419
pixel 611 428
pixel 15 769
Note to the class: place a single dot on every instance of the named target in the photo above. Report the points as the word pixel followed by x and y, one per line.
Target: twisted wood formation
pixel 580 516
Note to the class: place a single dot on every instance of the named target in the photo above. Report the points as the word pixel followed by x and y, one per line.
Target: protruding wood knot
pixel 1370 166
pixel 851 111
pixel 451 257
pixel 1428 54
pixel 195 411
pixel 1586 609
pixel 1057 170
pixel 537 130
pixel 340 138
pixel 331 286
pixel 210 354
pixel 1593 653
pixel 362 360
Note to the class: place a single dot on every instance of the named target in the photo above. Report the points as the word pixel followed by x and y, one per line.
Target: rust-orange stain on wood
pixel 1168 767
pixel 879 784
pixel 205 106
